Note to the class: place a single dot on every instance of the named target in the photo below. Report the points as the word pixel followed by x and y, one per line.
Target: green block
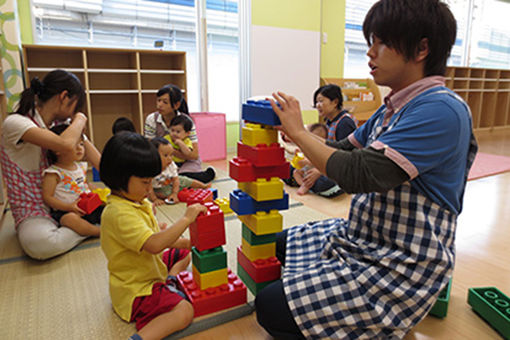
pixel 440 308
pixel 253 286
pixel 209 260
pixel 493 306
pixel 254 239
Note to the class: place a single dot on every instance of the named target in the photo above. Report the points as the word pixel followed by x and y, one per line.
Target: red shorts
pixel 162 300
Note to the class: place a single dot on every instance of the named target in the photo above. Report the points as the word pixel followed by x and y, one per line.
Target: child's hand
pixel 193 211
pixel 157 202
pixel 173 197
pixel 180 143
pixel 162 225
pixel 304 162
pixel 76 209
pixel 311 177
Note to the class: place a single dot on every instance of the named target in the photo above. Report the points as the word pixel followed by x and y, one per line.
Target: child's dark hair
pixel 53 84
pixel 128 154
pixel 403 24
pixel 157 141
pixel 315 126
pixel 330 91
pixel 50 154
pixel 175 94
pixel 185 121
pixel 123 124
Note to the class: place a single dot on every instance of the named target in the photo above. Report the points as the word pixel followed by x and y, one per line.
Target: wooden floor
pixel 482 258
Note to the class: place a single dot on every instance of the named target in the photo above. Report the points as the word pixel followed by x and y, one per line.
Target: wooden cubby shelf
pixel 486 91
pixel 118 82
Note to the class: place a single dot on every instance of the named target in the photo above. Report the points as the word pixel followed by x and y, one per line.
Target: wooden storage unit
pixel 361 109
pixel 3 99
pixel 487 92
pixel 118 82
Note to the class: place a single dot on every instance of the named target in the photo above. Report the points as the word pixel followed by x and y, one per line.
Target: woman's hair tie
pixel 36 86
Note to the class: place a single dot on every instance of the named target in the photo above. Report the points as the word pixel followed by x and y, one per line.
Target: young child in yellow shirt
pixel 142 271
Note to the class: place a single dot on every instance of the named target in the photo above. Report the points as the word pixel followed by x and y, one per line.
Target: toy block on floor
pixel 255 240
pixel 263 223
pixel 262 189
pixel 210 279
pixel 493 306
pixel 260 111
pixel 209 260
pixel 254 134
pixel 262 155
pixel 260 270
pixel 295 160
pixel 440 308
pixel 253 286
pixel 213 299
pixel 89 202
pixel 242 204
pixel 224 205
pixel 191 196
pixel 242 170
pixel 261 251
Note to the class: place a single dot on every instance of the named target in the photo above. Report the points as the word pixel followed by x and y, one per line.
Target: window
pixel 140 23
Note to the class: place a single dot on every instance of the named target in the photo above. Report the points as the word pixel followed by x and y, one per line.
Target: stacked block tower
pixel 259 166
pixel 211 286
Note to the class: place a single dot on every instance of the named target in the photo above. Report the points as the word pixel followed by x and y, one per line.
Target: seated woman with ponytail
pixel 171 103
pixel 25 138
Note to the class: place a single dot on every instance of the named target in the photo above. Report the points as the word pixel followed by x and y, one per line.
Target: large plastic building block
pixel 262 155
pixel 255 134
pixel 262 251
pixel 103 193
pixel 440 308
pixel 243 204
pixel 263 223
pixel 243 170
pixel 295 161
pixel 260 270
pixel 89 202
pixel 253 286
pixel 255 240
pixel 493 306
pixel 209 260
pixel 208 230
pixel 224 205
pixel 262 189
pixel 191 196
pixel 213 299
pixel 260 111
pixel 210 279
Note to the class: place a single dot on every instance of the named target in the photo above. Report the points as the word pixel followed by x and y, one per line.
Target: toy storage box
pixel 211 132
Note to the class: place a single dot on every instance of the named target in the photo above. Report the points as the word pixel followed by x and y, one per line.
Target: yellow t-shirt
pixel 125 227
pixel 186 141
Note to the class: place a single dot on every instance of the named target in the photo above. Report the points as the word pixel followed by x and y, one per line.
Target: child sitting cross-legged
pixel 63 182
pixel 168 183
pixel 142 271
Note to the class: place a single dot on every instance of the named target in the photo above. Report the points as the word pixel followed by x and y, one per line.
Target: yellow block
pixel 262 251
pixel 210 279
pixel 295 161
pixel 224 204
pixel 254 134
pixel 263 223
pixel 102 192
pixel 262 189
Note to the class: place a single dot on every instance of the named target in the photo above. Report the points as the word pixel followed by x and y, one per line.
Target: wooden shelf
pixel 486 91
pixel 117 82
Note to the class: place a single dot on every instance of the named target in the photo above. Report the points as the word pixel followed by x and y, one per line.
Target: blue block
pixel 242 204
pixel 214 193
pixel 260 112
pixel 95 175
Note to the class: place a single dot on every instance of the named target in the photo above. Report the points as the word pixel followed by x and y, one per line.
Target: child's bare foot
pixel 303 189
pixel 207 186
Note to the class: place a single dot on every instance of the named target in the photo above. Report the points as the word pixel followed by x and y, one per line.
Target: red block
pixel 208 230
pixel 89 202
pixel 205 241
pixel 261 270
pixel 213 299
pixel 262 154
pixel 243 170
pixel 191 196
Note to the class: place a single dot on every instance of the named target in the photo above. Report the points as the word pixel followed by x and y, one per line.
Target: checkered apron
pixel 332 128
pixel 375 275
pixel 24 189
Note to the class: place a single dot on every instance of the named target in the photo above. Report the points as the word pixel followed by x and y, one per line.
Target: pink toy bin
pixel 211 133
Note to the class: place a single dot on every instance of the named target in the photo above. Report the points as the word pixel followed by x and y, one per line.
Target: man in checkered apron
pixel 377 274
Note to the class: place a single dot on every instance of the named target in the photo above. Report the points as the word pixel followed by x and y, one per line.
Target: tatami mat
pixel 67 297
